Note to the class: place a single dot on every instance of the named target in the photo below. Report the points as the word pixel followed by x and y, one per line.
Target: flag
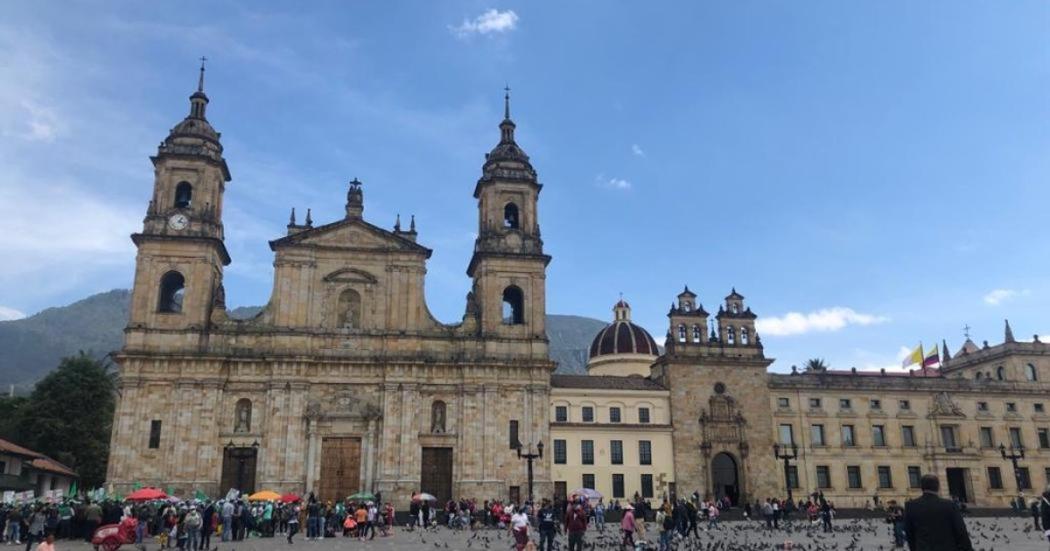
pixel 932 358
pixel 200 496
pixel 915 357
pixel 73 489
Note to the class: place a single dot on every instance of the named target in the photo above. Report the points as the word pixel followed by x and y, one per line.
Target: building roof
pixel 11 448
pixel 622 336
pixel 604 382
pixel 36 460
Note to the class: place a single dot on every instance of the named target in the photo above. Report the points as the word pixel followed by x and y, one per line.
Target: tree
pixel 816 364
pixel 69 415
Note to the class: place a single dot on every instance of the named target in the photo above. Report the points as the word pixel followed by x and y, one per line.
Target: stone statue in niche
pixel 243 416
pixel 437 417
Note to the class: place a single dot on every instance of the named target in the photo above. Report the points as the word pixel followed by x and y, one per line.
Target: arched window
pixel 730 335
pixel 511 218
pixel 183 195
pixel 172 291
pixel 242 420
pixel 513 306
pixel 681 333
pixel 735 308
pixel 977 376
pixel 1030 373
pixel 349 309
pixel 437 417
pixel 1000 373
pixel 696 333
pixel 743 335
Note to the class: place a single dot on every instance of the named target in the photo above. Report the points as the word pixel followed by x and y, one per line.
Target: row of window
pixel 1030 373
pixel 875 404
pixel 645 452
pixel 561 414
pixel 698 332
pixel 646 483
pixel 854 479
pixel 949 436
pixel 1023 482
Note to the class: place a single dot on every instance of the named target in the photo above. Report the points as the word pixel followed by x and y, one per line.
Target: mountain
pixel 32 346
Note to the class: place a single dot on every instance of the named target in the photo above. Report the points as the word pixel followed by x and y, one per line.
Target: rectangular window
pixel 1039 408
pixel 948 438
pixel 154 434
pixel 814 403
pixel 1011 406
pixel 647 485
pixel 3 467
pixel 587 452
pixel 875 404
pixel 514 442
pixel 847 436
pixel 904 405
pixel 878 435
pixel 982 406
pixel 588 481
pixel 995 478
pixel 560 453
pixel 816 435
pixel 614 415
pixel 792 474
pixel 1044 438
pixel 844 403
pixel 1046 474
pixel 823 476
pixel 1025 478
pixel 908 436
pixel 787 434
pixel 616 452
pixel 561 414
pixel 588 414
pixel 885 477
pixel 645 452
pixel 617 484
pixel 853 476
pixel 987 438
pixel 643 415
pixel 1015 437
pixel 783 402
pixel 914 476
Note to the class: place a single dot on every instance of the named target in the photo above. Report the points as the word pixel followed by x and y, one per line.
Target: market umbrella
pixel 265 495
pixel 423 496
pixel 591 495
pixel 290 498
pixel 362 496
pixel 146 494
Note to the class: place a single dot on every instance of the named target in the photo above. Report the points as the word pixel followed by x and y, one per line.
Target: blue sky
pixel 868 174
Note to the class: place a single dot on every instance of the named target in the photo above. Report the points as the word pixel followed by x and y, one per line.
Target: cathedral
pixel 345 382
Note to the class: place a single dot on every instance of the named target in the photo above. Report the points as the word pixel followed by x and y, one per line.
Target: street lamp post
pixel 1014 456
pixel 786 457
pixel 529 457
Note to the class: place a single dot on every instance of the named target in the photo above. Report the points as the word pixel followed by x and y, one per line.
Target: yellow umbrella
pixel 265 495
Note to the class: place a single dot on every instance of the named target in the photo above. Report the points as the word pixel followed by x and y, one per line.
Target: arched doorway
pixel 725 477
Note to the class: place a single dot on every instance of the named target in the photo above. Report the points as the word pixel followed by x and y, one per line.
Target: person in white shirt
pixel 519 527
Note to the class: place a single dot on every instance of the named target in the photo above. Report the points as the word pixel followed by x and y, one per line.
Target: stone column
pixel 311 451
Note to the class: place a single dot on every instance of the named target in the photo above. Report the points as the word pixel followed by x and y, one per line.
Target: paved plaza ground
pixel 1006 534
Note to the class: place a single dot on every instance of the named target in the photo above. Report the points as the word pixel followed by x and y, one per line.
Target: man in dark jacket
pixel 933 523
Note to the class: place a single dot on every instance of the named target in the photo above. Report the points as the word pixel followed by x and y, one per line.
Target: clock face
pixel 178 221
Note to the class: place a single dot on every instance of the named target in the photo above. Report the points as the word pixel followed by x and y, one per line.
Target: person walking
pixel 227 520
pixel 548 524
pixel 1044 511
pixel 599 516
pixel 895 518
pixel 293 521
pixel 207 525
pixel 519 528
pixel 627 526
pixel 576 526
pixel 192 524
pixel 37 521
pixel 932 523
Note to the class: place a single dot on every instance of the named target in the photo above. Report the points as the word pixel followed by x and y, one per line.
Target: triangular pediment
pixel 353 234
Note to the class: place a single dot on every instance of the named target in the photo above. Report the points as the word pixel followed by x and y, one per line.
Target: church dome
pixel 623 337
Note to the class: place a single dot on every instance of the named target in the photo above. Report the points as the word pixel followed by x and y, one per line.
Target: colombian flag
pixel 915 357
pixel 932 358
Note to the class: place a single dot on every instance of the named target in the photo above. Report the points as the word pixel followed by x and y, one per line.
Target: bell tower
pixel 508 266
pixel 181 253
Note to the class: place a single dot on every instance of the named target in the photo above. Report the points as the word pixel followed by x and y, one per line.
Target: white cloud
pixel 491 22
pixel 824 320
pixel 8 314
pixel 995 297
pixel 612 183
pixel 637 150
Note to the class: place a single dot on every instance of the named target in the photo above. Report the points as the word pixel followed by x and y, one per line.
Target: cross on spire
pixel 966 331
pixel 506 102
pixel 200 82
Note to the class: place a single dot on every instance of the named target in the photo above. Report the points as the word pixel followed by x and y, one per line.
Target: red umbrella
pixel 146 494
pixel 290 498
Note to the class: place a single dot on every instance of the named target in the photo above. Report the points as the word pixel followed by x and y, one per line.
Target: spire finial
pixel 291 219
pixel 309 219
pixel 397 223
pixel 200 81
pixel 966 331
pixel 412 224
pixel 1009 333
pixel 506 102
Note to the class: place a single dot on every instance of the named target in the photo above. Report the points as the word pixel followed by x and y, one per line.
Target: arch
pixel 349 309
pixel 977 376
pixel 743 335
pixel 725 479
pixel 1000 373
pixel 513 306
pixel 242 419
pixel 172 292
pixel 730 335
pixel 696 333
pixel 735 308
pixel 183 195
pixel 681 332
pixel 1030 372
pixel 438 414
pixel 511 216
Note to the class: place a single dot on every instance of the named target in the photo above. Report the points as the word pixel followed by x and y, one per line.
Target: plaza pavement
pixel 987 534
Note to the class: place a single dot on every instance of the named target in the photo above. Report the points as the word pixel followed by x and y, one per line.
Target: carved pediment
pixel 350 275
pixel 348 404
pixel 944 406
pixel 350 234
